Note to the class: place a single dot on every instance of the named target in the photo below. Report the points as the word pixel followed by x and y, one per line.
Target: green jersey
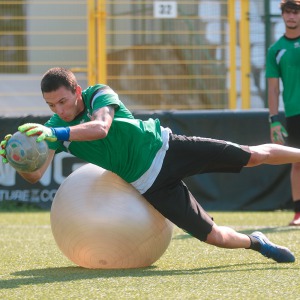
pixel 283 61
pixel 130 146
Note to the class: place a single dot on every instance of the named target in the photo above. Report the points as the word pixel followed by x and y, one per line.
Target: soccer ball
pixel 24 153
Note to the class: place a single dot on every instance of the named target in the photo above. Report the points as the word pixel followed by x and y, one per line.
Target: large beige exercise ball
pixel 101 222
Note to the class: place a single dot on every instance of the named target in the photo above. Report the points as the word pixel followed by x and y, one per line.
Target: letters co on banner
pixel 14 188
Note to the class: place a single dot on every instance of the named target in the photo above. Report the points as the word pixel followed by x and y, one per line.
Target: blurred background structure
pixel 157 55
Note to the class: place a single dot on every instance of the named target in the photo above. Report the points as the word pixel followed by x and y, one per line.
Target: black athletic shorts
pixel 292 127
pixel 185 157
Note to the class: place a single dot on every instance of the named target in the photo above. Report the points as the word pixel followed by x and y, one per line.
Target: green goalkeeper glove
pixel 43 132
pixel 278 133
pixel 3 148
pixel 46 133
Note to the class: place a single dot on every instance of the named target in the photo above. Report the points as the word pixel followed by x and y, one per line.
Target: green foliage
pixel 32 267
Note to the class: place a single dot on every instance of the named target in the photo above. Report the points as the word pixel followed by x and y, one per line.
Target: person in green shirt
pixel 94 125
pixel 283 62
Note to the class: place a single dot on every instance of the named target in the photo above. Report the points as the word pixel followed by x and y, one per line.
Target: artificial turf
pixel 32 266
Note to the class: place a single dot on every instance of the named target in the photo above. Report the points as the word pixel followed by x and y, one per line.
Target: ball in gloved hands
pixel 24 153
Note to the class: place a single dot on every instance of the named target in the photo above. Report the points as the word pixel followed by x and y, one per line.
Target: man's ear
pixel 78 90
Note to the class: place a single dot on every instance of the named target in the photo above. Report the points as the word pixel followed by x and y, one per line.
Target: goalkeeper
pixel 95 126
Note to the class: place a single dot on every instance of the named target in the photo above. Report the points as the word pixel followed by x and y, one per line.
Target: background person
pixel 283 62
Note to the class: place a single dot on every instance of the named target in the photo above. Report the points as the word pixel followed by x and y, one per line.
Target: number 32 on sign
pixel 165 9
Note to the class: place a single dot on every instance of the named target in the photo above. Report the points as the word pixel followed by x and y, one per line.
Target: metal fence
pixel 154 54
pixel 168 54
pixel 35 36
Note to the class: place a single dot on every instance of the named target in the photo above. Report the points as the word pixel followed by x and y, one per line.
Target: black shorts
pixel 292 127
pixel 185 157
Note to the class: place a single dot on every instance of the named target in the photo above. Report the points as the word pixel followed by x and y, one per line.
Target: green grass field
pixel 32 267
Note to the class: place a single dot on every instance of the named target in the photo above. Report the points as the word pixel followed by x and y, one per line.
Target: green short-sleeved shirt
pixel 130 146
pixel 283 61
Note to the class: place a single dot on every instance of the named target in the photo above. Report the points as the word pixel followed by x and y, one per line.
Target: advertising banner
pixel 14 188
pixel 260 188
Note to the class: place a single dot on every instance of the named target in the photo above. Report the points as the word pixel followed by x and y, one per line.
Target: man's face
pixel 65 103
pixel 291 18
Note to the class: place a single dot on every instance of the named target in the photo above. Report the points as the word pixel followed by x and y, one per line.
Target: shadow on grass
pixel 68 274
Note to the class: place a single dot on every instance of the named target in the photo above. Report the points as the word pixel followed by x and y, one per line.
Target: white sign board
pixel 165 9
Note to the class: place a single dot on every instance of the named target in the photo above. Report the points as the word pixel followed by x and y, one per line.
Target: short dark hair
pixel 54 78
pixel 291 4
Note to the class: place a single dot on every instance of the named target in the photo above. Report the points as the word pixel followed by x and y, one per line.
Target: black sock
pixel 255 244
pixel 297 206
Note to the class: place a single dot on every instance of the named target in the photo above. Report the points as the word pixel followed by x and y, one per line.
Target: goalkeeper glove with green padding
pixel 3 148
pixel 45 133
pixel 278 132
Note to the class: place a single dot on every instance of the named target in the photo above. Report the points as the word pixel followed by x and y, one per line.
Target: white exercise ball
pixel 99 221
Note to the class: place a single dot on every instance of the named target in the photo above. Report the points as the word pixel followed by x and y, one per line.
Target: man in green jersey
pixel 94 125
pixel 283 62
